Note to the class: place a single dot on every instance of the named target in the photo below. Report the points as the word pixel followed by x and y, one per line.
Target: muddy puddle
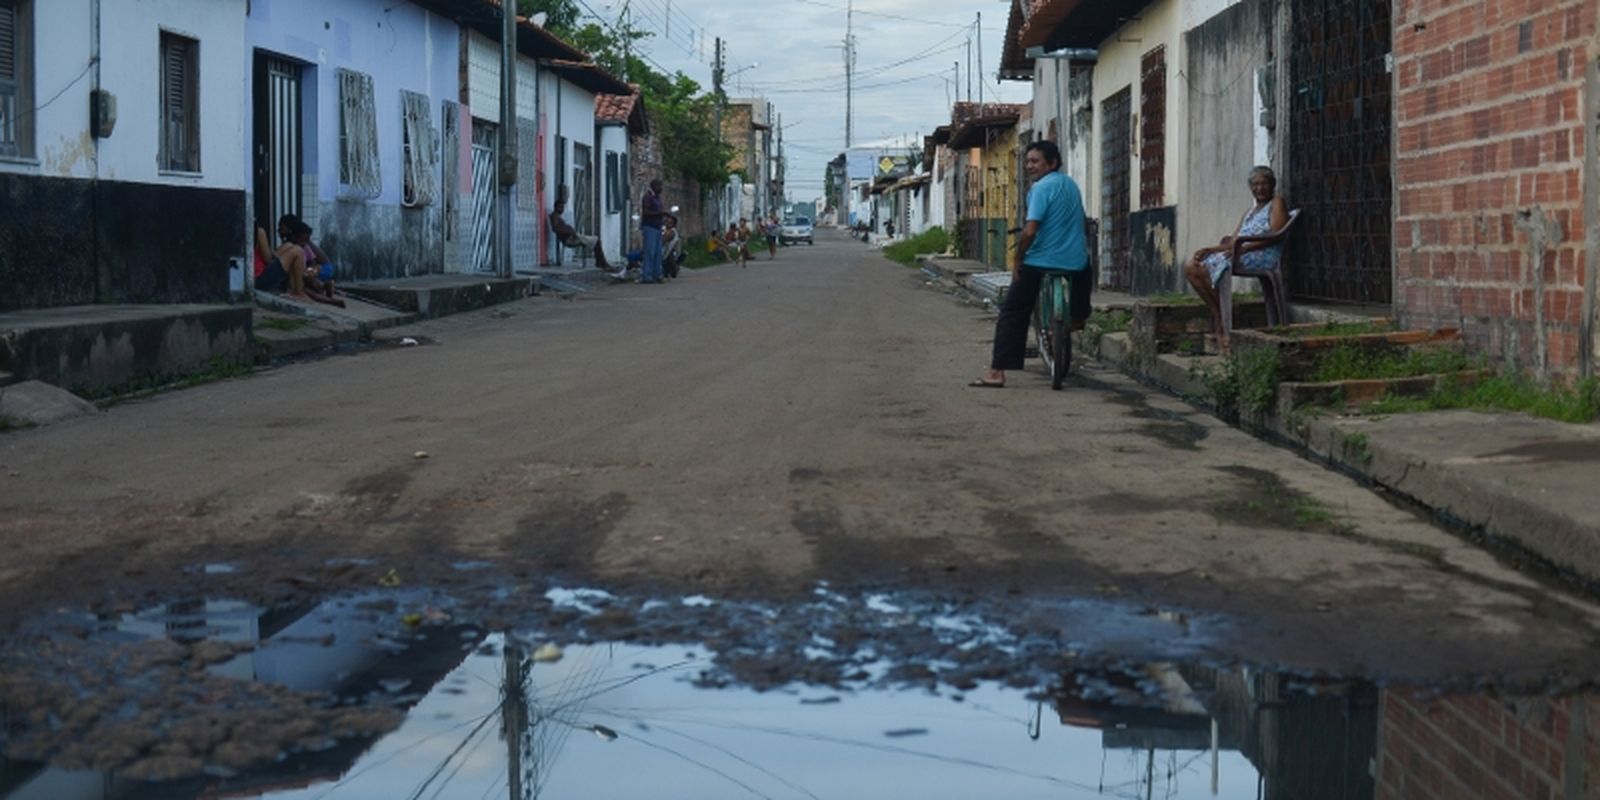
pixel 407 695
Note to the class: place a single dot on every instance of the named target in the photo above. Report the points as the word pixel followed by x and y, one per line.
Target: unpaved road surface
pixel 748 433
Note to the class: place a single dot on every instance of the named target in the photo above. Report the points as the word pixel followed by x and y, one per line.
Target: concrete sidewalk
pixel 1519 480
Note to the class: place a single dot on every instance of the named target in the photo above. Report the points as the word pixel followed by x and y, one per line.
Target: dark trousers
pixel 1016 312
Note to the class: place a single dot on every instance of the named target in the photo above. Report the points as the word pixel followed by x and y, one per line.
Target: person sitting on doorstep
pixel 569 236
pixel 319 270
pixel 269 273
pixel 286 270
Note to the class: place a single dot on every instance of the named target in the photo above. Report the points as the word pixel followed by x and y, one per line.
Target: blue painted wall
pixel 402 47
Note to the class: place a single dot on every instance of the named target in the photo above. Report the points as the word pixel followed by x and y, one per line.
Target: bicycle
pixel 1052 322
pixel 1052 325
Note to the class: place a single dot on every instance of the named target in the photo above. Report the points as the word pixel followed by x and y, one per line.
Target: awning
pixel 971 133
pixel 588 76
pixel 1078 23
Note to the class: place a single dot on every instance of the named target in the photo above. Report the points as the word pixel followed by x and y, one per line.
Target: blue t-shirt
pixel 1055 203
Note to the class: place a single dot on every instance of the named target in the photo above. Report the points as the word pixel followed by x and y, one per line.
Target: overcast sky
pixel 906 54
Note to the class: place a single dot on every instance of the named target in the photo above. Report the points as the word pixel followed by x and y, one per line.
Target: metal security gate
pixel 1339 159
pixel 277 138
pixel 1153 128
pixel 1116 149
pixel 483 196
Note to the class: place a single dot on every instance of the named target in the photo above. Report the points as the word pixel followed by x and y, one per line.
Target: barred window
pixel 180 103
pixel 16 69
pixel 419 151
pixel 615 201
pixel 358 136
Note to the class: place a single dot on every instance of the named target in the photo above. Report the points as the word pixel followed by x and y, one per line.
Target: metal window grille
pixel 358 136
pixel 10 75
pixel 614 197
pixel 419 151
pixel 180 107
pixel 1153 119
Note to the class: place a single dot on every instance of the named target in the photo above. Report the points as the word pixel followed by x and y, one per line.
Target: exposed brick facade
pixel 1460 748
pixel 1489 154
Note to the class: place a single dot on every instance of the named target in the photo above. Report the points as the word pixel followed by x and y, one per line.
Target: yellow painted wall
pixel 1000 189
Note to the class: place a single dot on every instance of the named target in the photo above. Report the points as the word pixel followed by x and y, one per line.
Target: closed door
pixel 483 178
pixel 1339 162
pixel 277 138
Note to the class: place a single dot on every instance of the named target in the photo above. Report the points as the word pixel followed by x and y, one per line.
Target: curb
pixel 1509 514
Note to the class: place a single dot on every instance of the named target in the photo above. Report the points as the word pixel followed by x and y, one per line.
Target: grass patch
pixel 218 369
pixel 1116 320
pixel 1332 328
pixel 1357 446
pixel 1349 361
pixel 1175 299
pixel 1505 392
pixel 281 323
pixel 696 256
pixel 1246 381
pixel 905 251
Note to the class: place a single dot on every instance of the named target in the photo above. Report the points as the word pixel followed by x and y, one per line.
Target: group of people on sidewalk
pixel 297 267
pixel 735 242
pixel 660 256
pixel 1052 240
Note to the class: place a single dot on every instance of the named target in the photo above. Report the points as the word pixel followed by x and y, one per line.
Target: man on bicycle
pixel 1052 239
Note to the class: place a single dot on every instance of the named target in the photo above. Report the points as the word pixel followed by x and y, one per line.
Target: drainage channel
pixel 404 695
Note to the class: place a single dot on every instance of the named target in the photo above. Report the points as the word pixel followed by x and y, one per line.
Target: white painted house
pixel 139 200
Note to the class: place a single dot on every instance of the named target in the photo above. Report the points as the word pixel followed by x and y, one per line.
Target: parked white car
pixel 795 230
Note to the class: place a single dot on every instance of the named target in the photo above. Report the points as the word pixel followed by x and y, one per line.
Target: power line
pixel 877 70
pixel 885 16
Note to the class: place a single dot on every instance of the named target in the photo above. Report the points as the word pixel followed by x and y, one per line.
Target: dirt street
pixel 749 433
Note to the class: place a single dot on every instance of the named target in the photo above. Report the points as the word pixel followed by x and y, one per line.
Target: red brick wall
pixel 1461 748
pixel 1488 160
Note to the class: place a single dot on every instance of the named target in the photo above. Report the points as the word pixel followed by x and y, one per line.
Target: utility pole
pixel 627 40
pixel 955 88
pixel 980 60
pixel 849 69
pixel 507 139
pixel 969 69
pixel 716 92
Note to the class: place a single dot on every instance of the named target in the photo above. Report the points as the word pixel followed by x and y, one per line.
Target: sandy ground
pixel 749 433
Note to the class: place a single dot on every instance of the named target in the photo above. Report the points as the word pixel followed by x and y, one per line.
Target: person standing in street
pixel 1052 240
pixel 651 217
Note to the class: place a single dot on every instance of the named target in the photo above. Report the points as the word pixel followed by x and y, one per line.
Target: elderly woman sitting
pixel 1206 268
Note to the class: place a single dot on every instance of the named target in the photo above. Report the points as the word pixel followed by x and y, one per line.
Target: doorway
pixel 278 139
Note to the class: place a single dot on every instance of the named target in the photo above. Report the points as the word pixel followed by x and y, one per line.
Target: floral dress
pixel 1256 223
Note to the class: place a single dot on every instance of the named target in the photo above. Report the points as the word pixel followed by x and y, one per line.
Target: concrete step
pixel 441 295
pixel 102 349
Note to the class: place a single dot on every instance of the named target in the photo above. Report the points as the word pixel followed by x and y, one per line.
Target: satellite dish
pixel 539 18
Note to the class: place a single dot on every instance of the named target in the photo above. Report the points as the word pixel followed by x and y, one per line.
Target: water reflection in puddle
pixel 627 721
pixel 485 718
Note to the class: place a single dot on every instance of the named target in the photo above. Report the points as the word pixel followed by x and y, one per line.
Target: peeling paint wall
pixel 1224 54
pixel 402 49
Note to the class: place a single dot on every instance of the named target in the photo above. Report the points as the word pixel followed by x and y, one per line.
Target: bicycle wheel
pixel 1043 313
pixel 1061 355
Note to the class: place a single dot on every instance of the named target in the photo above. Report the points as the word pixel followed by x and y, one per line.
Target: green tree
pixel 682 114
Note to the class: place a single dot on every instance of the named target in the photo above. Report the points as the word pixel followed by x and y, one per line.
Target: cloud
pixel 798 45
